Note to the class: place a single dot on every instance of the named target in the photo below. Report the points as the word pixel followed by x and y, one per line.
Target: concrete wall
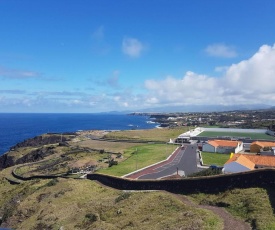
pixel 239 148
pixel 234 167
pixel 225 150
pixel 208 148
pixel 255 178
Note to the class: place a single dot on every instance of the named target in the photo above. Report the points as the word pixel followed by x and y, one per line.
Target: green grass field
pixel 139 157
pixel 214 158
pixel 236 134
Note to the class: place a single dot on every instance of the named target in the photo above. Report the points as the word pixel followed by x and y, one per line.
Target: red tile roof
pixel 267 161
pixel 225 143
pixel 263 144
pixel 241 159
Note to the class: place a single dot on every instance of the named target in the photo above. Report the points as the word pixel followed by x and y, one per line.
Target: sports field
pixel 254 136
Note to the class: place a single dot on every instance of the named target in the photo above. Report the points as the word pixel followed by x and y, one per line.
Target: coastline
pixel 16 128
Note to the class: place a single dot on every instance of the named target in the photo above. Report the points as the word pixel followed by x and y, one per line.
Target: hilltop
pixel 64 201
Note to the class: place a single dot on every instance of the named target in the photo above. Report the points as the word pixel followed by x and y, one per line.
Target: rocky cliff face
pixel 10 158
pixel 40 140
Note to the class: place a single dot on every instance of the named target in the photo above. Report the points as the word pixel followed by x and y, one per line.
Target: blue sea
pixel 17 127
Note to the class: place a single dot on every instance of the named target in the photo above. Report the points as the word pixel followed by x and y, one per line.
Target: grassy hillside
pixel 254 205
pixel 83 204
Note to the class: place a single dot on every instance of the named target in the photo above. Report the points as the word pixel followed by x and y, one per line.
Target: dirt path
pixel 230 222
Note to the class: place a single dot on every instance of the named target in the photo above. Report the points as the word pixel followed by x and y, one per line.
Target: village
pixel 245 153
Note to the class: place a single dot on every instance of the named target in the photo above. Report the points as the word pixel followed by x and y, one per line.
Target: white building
pixel 238 163
pixel 245 162
pixel 222 146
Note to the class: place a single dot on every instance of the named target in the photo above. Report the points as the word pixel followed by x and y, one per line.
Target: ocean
pixel 17 127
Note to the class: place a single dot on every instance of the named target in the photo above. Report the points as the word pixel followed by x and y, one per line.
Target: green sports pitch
pixel 254 136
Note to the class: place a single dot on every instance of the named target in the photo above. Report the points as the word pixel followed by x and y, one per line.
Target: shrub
pixel 91 217
pixel 207 172
pixel 52 182
pixel 123 196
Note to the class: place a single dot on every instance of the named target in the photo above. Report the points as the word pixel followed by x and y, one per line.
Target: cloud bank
pixel 251 81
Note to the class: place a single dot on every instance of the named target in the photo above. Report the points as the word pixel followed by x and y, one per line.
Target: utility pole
pixel 136 159
pixel 166 150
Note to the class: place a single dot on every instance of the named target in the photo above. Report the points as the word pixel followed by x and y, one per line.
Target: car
pixel 213 166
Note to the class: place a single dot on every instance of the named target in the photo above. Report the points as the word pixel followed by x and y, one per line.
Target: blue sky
pixel 129 55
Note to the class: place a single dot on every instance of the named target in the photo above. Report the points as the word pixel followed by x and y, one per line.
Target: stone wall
pixel 255 178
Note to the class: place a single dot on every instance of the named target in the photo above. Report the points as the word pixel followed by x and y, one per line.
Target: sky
pixel 87 56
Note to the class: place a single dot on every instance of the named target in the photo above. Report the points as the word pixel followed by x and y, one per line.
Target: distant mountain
pixel 205 108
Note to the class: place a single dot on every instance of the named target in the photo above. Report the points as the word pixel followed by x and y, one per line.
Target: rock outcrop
pixel 12 158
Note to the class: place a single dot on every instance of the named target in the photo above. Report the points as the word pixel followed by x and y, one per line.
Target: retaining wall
pixel 213 184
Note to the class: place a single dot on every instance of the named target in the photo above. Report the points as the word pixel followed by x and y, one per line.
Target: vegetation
pixel 140 157
pixel 254 205
pixel 207 172
pixel 147 135
pixel 83 204
pixel 218 159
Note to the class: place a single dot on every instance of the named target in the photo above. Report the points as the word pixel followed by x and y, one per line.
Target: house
pixel 246 162
pixel 256 146
pixel 222 146
pixel 238 163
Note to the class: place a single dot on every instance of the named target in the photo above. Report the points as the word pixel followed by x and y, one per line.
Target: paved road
pixel 185 160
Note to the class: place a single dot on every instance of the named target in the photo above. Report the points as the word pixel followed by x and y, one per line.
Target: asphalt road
pixel 186 161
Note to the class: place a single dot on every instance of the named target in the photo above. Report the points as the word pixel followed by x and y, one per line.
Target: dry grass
pixel 147 135
pixel 106 145
pixel 83 204
pixel 252 205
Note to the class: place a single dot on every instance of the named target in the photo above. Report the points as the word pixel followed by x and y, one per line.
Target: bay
pixel 17 127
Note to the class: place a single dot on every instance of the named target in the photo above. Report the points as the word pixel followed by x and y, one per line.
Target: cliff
pixel 39 151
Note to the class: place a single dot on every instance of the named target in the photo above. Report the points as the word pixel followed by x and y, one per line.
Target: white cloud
pixel 132 47
pixel 191 89
pixel 98 34
pixel 250 81
pixel 112 81
pixel 221 50
pixel 99 45
pixel 256 74
pixel 17 73
pixel 221 68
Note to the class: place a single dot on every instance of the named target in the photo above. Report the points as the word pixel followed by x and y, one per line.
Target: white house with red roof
pixel 246 162
pixel 222 146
